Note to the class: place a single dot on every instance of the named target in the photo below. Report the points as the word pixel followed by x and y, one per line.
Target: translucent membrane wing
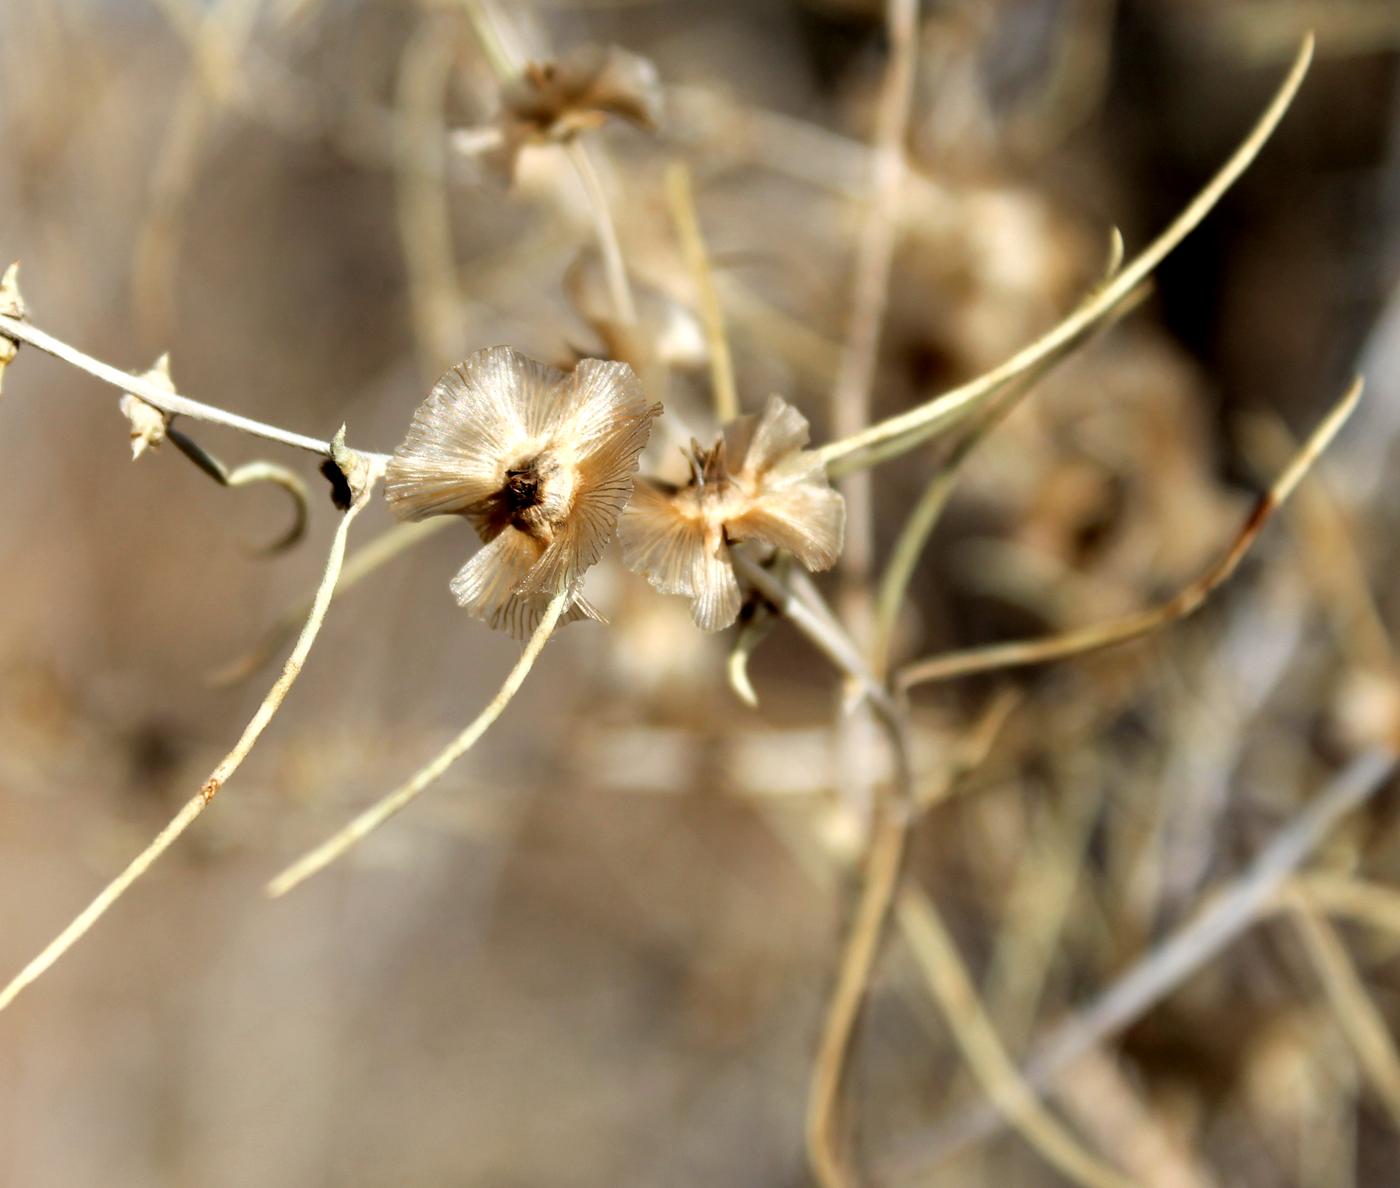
pixel 756 444
pixel 609 427
pixel 656 540
pixel 669 549
pixel 715 602
pixel 627 86
pixel 603 397
pixel 486 587
pixel 474 423
pixel 796 510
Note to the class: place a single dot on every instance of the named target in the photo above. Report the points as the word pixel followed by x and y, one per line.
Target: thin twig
pixel 379 812
pixel 915 425
pixel 914 534
pixel 358 566
pixel 1357 1015
pixel 822 630
pixel 169 402
pixel 687 220
pixel 1227 914
pixel 1185 602
pixel 219 776
pixel 246 475
pixel 851 391
pixel 883 860
pixel 884 857
pixel 609 244
pixel 952 988
pixel 1374 904
pixel 426 67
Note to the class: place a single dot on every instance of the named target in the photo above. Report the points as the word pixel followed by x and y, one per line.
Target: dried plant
pixel 553 101
pixel 756 483
pixel 540 463
pixel 543 464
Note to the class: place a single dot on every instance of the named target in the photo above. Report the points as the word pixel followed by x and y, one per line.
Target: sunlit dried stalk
pixel 426 67
pixel 855 378
pixel 1360 1020
pixel 221 774
pixel 1227 914
pixel 1186 602
pixel 955 994
pixel 918 424
pixel 360 564
pixel 919 526
pixel 170 402
pixel 379 812
pixel 609 244
pixel 1375 905
pixel 883 859
pixel 683 213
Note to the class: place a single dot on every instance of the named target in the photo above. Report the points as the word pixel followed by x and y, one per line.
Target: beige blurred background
pixel 598 952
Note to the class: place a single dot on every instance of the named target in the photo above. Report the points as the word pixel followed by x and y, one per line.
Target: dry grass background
pixel 599 954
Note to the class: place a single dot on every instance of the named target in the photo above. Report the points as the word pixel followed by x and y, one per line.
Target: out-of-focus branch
pixel 1228 913
pixel 365 482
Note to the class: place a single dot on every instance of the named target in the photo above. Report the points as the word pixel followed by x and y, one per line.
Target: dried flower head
pixel 756 484
pixel 540 462
pixel 556 100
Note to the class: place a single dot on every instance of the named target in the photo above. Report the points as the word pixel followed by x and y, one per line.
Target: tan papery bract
pixel 757 484
pixel 540 462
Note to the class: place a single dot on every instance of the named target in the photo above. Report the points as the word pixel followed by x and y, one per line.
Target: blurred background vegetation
pixel 599 953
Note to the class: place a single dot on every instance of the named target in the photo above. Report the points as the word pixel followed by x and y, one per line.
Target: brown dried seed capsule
pixel 556 100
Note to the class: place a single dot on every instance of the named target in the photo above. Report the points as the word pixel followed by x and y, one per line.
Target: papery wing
pixel 608 430
pixel 715 600
pixel 474 423
pixel 657 540
pixel 756 444
pixel 486 587
pixel 670 551
pixel 798 512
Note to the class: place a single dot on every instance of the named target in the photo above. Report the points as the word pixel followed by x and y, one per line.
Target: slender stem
pixel 217 778
pixel 914 425
pixel 823 631
pixel 1365 1028
pixel 884 858
pixel 1097 636
pixel 914 534
pixel 681 195
pixel 883 862
pixel 982 1049
pixel 379 812
pixel 609 245
pixel 855 377
pixel 158 397
pixel 1228 913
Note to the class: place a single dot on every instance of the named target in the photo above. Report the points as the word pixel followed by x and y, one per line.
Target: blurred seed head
pixel 554 101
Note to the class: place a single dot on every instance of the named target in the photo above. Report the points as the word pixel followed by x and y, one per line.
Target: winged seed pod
pixel 756 484
pixel 540 462
pixel 556 100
